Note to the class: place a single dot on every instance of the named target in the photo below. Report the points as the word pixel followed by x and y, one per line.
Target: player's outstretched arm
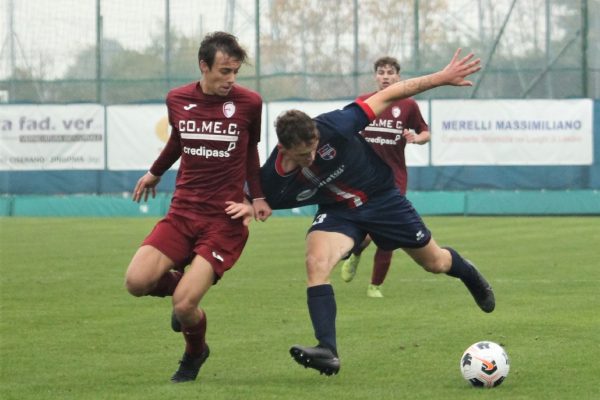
pixel 453 74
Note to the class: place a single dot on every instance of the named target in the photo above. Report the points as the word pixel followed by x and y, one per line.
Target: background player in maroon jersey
pixel 388 134
pixel 215 128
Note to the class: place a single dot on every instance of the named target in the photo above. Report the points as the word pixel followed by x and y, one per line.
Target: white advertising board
pixel 417 155
pixel 512 132
pixel 136 135
pixel 51 137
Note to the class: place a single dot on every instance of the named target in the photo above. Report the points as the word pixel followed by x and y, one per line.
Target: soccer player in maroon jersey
pixel 388 134
pixel 215 128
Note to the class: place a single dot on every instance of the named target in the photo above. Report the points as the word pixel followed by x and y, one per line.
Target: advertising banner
pixel 512 132
pixel 136 135
pixel 51 137
pixel 417 155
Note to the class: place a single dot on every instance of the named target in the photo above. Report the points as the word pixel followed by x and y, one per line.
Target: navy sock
pixel 462 269
pixel 323 310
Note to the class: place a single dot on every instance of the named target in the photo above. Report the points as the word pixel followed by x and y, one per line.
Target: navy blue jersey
pixel 346 171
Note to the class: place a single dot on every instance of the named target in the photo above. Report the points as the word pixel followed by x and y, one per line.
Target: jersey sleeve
pixel 281 191
pixel 416 121
pixel 366 109
pixel 168 155
pixel 172 151
pixel 255 125
pixel 252 158
pixel 253 172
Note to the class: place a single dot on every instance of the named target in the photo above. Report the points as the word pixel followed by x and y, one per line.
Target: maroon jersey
pixel 216 138
pixel 384 134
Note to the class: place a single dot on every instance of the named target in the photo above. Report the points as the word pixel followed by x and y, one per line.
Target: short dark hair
pixel 294 127
pixel 383 61
pixel 223 41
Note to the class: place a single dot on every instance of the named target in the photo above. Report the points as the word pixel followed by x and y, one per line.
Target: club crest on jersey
pixel 229 109
pixel 327 152
pixel 396 111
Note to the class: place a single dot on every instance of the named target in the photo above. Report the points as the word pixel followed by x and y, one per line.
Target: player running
pixel 215 130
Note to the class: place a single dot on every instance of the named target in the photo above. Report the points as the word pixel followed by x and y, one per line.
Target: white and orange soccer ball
pixel 484 364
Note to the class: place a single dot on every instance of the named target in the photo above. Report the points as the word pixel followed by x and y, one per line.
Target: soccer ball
pixel 484 364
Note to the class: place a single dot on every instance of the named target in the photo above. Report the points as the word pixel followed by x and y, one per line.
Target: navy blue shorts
pixel 389 219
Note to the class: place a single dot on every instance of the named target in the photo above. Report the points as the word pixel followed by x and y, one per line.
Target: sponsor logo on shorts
pixel 217 256
pixel 420 236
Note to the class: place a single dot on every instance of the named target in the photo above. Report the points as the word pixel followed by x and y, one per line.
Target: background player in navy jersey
pixel 215 128
pixel 326 162
pixel 388 134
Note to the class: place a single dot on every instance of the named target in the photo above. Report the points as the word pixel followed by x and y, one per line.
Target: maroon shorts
pixel 220 241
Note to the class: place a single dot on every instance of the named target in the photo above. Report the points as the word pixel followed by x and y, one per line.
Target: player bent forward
pixel 326 162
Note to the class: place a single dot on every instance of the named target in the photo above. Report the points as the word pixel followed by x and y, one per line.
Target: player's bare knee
pixel 183 308
pixel 136 285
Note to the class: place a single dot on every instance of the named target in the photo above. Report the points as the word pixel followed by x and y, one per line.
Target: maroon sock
pixel 195 336
pixel 166 284
pixel 381 266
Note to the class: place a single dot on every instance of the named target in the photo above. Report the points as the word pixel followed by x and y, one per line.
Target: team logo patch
pixel 327 152
pixel 396 111
pixel 229 109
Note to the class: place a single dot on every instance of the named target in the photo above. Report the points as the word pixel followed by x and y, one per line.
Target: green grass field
pixel 69 330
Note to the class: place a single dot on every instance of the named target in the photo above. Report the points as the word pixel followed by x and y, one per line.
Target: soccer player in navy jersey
pixel 388 134
pixel 326 162
pixel 215 128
